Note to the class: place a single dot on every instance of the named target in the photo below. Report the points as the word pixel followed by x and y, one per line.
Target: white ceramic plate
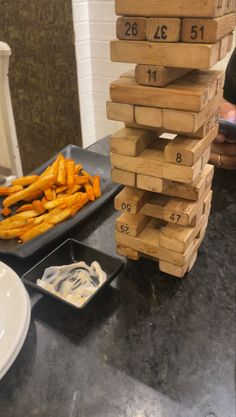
pixel 14 316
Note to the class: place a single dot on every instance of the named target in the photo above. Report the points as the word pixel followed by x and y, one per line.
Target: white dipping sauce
pixel 74 283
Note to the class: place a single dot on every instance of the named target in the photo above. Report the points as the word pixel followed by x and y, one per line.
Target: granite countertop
pixel 148 346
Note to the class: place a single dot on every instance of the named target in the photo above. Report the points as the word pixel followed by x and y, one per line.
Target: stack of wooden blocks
pixel 169 105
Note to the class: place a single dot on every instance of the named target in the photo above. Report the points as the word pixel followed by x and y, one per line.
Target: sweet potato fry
pixel 10 190
pixel 54 167
pixel 39 185
pixel 69 200
pixel 17 224
pixel 29 214
pixel 23 181
pixel 35 231
pixel 89 190
pixel 5 212
pixel 70 174
pixel 61 175
pixel 96 186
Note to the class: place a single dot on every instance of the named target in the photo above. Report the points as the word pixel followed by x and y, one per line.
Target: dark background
pixel 42 75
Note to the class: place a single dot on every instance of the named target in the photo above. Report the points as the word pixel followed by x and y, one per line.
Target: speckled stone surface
pixel 148 346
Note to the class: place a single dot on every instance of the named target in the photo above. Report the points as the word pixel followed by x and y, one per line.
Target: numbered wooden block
pixel 187 151
pixel 120 112
pixel 131 141
pixel 207 30
pixel 180 55
pixel 181 8
pixel 162 29
pixel 123 177
pixel 212 80
pixel 157 76
pixel 148 243
pixel 190 122
pixel 178 238
pixel 131 224
pixel 130 200
pixel 132 28
pixel 180 94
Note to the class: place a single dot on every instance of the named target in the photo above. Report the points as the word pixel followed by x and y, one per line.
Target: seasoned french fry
pixel 18 223
pixel 30 214
pixel 38 206
pixel 77 206
pixel 54 167
pixel 10 190
pixel 40 185
pixel 33 197
pixel 89 190
pixel 61 175
pixel 5 212
pixel 82 179
pixel 57 215
pixel 35 231
pixel 96 186
pixel 78 168
pixel 23 181
pixel 87 175
pixel 74 189
pixel 70 174
pixel 25 207
pixel 9 234
pixel 67 199
pixel 47 171
pixel 61 189
pixel 50 194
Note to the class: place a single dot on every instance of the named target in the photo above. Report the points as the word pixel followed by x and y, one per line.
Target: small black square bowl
pixel 67 253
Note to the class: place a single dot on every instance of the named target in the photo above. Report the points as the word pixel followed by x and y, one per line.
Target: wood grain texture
pixel 157 76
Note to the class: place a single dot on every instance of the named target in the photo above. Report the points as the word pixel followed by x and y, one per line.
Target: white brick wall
pixel 94 25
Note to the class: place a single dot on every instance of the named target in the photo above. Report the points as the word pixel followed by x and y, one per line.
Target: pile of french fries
pixel 48 199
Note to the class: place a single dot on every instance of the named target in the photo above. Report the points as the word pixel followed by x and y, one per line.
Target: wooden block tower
pixel 169 105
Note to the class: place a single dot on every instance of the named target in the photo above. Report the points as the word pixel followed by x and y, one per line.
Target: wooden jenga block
pixel 151 162
pixel 159 206
pixel 207 30
pixel 156 76
pixel 212 80
pixel 180 55
pixel 188 122
pixel 162 29
pixel 131 141
pixel 228 6
pixel 206 156
pixel 132 28
pixel 178 238
pixel 120 112
pixel 225 46
pixel 131 224
pixel 175 270
pixel 182 8
pixel 130 200
pixel 150 116
pixel 128 252
pixel 180 94
pixel 210 122
pixel 186 151
pixel 148 243
pixel 123 177
pixel 146 182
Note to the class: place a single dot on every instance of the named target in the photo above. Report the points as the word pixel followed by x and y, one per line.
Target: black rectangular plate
pixel 67 253
pixel 95 164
